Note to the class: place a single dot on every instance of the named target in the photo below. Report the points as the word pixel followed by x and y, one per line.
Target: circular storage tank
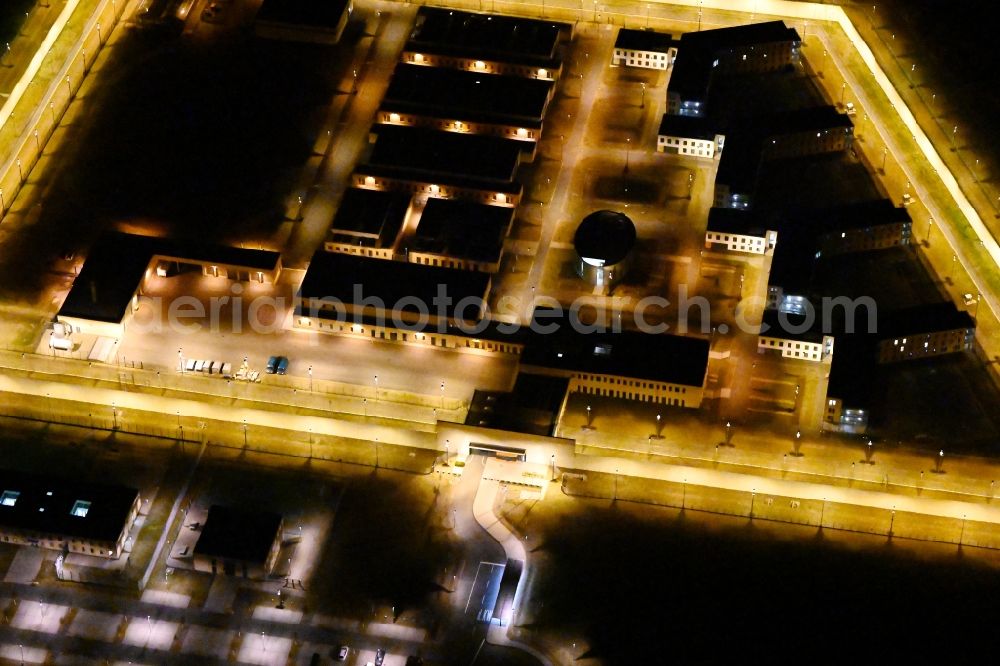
pixel 604 244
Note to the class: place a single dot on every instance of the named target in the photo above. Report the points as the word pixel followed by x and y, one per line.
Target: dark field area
pixel 388 547
pixel 959 46
pixel 658 589
pixel 11 17
pixel 183 138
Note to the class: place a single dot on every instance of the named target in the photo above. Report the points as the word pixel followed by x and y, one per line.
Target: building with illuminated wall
pixel 460 234
pixel 925 330
pixel 66 515
pixel 368 222
pixel 689 135
pixel 486 43
pixel 646 49
pixel 319 21
pixel 794 337
pixel 508 107
pixel 657 368
pixel 106 293
pixel 734 230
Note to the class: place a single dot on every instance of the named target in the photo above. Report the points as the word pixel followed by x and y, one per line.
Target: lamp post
pixel 797 444
pixel 114 417
pixel 589 416
pixel 729 432
pixel 442 395
pixel 376 388
pixel 642 103
pixel 930 225
pixel 628 150
pixel 376 453
pixel 885 153
pixel 245 444
pixel 447 451
pixel 939 462
pixel 954 132
pixel 869 453
pixel 310 379
pixel 180 358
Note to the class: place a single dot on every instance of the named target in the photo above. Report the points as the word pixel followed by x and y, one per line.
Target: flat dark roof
pixel 692 71
pixel 532 407
pixel 434 151
pixel 852 370
pixel 791 326
pixel 370 217
pixel 694 127
pixel 44 504
pixel 455 180
pixel 746 143
pixel 235 534
pixel 793 262
pixel 485 36
pixel 736 221
pixel 116 264
pixel 643 40
pixel 800 120
pixel 931 318
pixel 663 358
pixel 463 229
pixel 859 215
pixel 739 165
pixel 441 92
pixel 319 13
pixel 334 275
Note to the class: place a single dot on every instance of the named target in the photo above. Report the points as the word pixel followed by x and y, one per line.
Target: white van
pixel 64 344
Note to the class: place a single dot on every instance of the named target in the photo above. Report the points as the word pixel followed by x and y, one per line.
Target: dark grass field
pixel 11 17
pixel 179 137
pixel 658 589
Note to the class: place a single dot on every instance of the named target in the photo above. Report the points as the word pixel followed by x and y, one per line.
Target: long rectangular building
pixel 106 292
pixel 394 292
pixel 489 44
pixel 664 369
pixel 464 101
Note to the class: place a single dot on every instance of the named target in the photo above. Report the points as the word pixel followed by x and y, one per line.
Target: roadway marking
pixel 491 565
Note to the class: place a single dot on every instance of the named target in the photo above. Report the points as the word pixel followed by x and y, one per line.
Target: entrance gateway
pixel 497 451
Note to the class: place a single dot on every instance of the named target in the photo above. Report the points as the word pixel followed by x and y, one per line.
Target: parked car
pixel 342 653
pixel 968 299
pixel 849 108
pixel 379 656
pixel 282 365
pixel 272 365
